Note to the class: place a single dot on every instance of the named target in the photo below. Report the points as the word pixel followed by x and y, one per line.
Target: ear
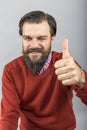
pixel 52 39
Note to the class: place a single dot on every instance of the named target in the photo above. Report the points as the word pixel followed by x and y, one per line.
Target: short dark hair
pixel 38 17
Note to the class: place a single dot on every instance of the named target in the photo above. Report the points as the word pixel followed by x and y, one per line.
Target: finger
pixel 59 63
pixel 65 49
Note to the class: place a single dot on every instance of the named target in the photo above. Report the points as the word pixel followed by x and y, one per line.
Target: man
pixel 38 86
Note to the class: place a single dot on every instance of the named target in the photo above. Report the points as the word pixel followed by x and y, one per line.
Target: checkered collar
pixel 46 63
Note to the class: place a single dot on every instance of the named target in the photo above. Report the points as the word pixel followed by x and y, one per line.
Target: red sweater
pixel 41 101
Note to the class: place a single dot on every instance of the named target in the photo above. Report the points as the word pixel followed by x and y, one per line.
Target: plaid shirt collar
pixel 47 63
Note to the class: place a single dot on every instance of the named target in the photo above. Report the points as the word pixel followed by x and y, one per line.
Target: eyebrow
pixel 44 36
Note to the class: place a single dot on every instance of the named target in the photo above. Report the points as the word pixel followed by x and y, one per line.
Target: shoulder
pixel 56 55
pixel 15 63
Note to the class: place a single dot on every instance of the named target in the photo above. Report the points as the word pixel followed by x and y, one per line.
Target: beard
pixel 36 66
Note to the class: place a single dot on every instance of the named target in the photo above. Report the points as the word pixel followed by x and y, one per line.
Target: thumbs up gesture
pixel 65 51
pixel 66 69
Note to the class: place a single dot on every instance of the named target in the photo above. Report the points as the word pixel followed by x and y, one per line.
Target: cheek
pixel 25 46
pixel 47 45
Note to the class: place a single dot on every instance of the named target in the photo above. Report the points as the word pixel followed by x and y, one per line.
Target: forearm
pixel 5 125
pixel 81 91
pixel 82 80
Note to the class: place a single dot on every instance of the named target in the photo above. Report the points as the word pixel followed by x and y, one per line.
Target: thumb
pixel 65 49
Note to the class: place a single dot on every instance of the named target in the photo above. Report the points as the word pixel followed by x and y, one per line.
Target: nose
pixel 35 43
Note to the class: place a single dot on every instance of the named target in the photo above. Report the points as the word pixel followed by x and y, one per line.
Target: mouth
pixel 35 56
pixel 34 53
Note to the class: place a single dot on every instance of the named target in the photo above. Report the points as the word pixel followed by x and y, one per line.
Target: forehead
pixel 37 29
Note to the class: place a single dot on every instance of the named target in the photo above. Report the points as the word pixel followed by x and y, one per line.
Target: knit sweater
pixel 41 101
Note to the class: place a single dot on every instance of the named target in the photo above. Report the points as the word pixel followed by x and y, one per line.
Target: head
pixel 38 31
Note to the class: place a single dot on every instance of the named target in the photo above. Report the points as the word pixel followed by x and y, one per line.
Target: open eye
pixel 27 38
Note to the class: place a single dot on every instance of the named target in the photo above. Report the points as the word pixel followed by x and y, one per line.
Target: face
pixel 36 40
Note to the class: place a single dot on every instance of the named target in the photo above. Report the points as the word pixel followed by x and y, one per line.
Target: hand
pixel 66 69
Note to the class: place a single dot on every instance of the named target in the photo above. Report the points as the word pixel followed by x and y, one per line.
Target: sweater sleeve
pixel 10 102
pixel 82 92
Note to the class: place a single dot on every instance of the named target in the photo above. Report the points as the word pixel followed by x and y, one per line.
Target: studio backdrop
pixel 72 23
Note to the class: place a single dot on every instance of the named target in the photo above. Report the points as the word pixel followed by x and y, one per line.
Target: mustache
pixel 33 50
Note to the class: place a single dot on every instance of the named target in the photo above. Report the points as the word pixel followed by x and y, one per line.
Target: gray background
pixel 71 19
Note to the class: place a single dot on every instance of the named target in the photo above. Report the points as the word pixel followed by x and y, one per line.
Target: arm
pixel 81 92
pixel 71 74
pixel 10 102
